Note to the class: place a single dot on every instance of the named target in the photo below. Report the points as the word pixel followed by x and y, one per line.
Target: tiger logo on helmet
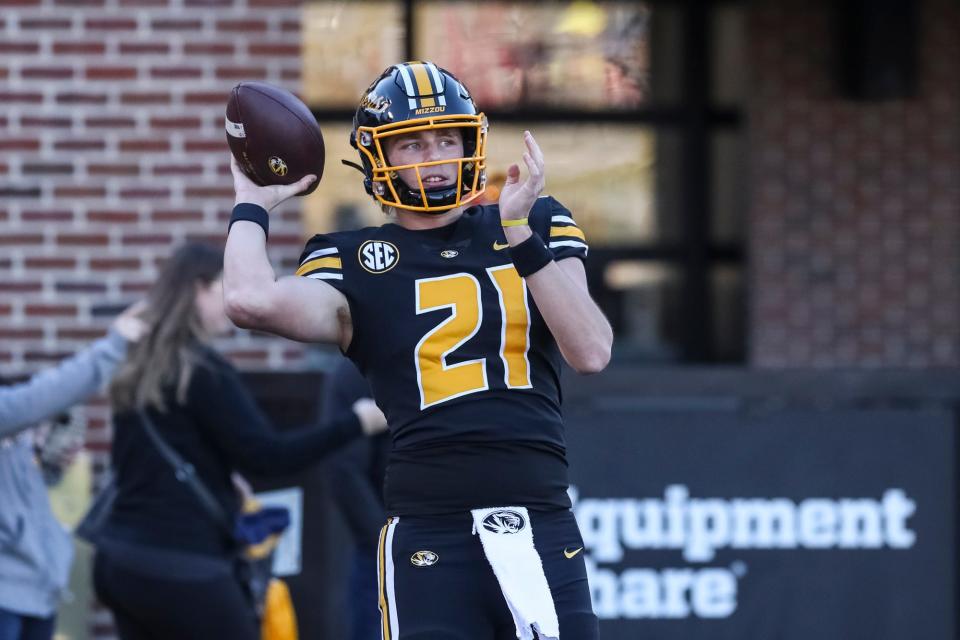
pixel 411 97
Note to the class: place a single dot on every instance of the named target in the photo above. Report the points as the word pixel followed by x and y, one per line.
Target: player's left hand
pixel 517 198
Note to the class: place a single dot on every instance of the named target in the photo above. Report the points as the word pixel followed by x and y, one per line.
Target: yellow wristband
pixel 522 222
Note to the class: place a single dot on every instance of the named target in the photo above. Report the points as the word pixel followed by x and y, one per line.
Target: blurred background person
pixel 356 484
pixel 163 566
pixel 35 550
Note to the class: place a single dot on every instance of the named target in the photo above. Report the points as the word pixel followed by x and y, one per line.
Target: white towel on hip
pixel 507 539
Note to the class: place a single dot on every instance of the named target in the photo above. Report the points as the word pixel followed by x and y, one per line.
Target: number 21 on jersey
pixel 461 294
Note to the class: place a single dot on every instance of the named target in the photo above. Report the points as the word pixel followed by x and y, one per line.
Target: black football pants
pixel 454 594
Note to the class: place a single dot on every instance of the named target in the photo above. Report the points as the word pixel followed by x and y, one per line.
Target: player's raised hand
pixel 517 198
pixel 267 197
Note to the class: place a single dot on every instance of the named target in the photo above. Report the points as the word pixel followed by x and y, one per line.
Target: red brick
pixel 50 310
pixel 45 24
pixel 55 215
pixel 20 238
pixel 80 287
pixel 80 192
pixel 209 192
pixel 26 97
pixel 20 3
pixel 44 122
pixel 79 3
pixel 246 26
pixel 25 333
pixel 139 239
pixel 113 169
pixel 208 3
pixel 288 26
pixel 149 98
pixel 175 216
pixel 145 3
pixel 135 287
pixel 81 98
pixel 19 287
pixel 178 170
pixel 292 75
pixel 167 73
pixel 114 264
pixel 63 48
pixel 205 97
pixel 273 49
pixel 241 73
pixel 65 333
pixel 111 73
pixel 209 49
pixel 79 145
pixel 145 192
pixel 5 309
pixel 218 144
pixel 110 24
pixel 50 263
pixel 110 122
pixel 144 47
pixel 116 217
pixel 19 144
pixel 141 145
pixel 19 47
pixel 179 122
pixel 47 168
pixel 166 24
pixel 83 239
pixel 46 73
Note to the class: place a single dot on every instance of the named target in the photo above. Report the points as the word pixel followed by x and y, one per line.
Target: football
pixel 273 135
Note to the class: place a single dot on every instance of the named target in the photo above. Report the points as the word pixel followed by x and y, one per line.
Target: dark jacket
pixel 219 429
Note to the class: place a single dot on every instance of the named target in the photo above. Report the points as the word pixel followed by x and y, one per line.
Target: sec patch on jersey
pixel 378 256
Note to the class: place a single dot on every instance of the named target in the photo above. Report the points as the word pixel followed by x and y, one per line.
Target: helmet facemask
pixel 390 190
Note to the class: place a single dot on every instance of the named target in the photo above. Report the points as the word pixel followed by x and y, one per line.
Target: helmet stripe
pixel 408 85
pixel 423 84
pixel 437 83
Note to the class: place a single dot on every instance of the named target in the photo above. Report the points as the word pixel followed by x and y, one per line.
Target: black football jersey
pixel 457 356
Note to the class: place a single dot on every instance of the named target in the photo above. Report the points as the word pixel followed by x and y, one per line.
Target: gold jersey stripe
pixel 424 88
pixel 573 232
pixel 320 263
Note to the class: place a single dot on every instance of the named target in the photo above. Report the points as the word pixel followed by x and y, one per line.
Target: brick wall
pixel 855 207
pixel 112 152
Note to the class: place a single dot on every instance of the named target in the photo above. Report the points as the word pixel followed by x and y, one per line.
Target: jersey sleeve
pixel 320 260
pixel 564 238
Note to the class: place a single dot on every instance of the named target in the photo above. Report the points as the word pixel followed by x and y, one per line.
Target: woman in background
pixel 35 551
pixel 164 566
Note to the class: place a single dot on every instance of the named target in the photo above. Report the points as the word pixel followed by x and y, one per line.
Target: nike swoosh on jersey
pixel 498 247
pixel 570 554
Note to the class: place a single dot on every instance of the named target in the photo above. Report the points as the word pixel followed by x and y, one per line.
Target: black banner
pixel 787 526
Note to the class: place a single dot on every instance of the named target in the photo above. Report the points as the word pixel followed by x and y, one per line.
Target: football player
pixel 459 315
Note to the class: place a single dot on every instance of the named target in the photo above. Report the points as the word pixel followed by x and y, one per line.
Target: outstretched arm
pixel 297 308
pixel 560 288
pixel 72 381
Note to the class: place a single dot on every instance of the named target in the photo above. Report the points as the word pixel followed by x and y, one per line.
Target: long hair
pixel 167 355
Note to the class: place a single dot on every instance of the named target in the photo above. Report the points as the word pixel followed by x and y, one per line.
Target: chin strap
pixel 355 166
